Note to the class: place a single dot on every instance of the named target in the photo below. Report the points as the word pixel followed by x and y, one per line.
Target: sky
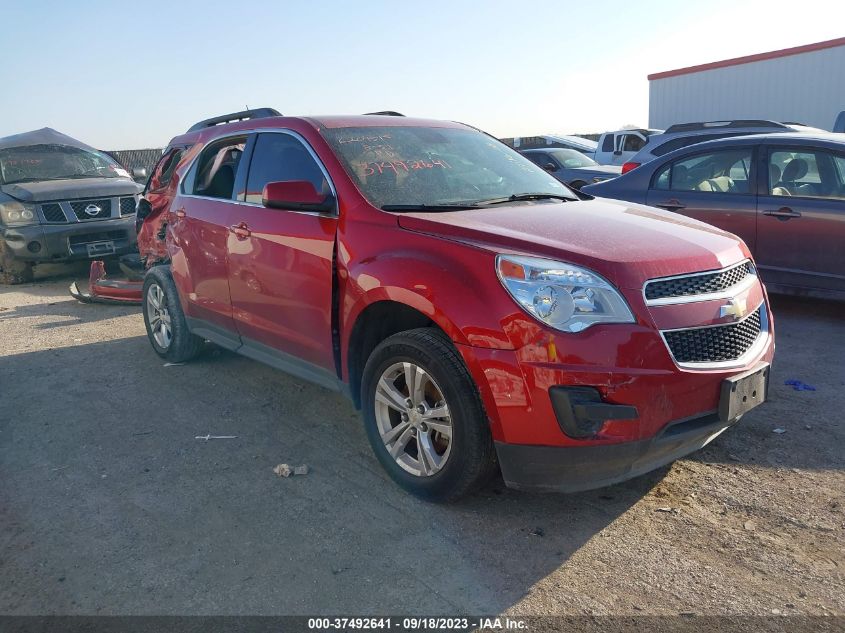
pixel 130 75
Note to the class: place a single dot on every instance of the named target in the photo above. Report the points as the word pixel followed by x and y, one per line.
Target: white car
pixel 615 148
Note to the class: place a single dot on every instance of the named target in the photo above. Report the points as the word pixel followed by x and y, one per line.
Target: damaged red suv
pixel 479 312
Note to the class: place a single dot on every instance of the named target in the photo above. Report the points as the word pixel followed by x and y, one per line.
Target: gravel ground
pixel 108 505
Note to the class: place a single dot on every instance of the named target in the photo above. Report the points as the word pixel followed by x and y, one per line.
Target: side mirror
pixel 551 167
pixel 296 195
pixel 139 172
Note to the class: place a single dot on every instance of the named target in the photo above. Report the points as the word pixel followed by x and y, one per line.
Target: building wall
pixel 807 88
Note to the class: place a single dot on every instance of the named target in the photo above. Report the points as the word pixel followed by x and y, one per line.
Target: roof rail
pixel 384 113
pixel 709 125
pixel 243 115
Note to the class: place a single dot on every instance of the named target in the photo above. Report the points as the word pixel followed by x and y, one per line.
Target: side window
pixel 806 173
pixel 661 180
pixel 217 167
pixel 633 143
pixel 607 143
pixel 718 172
pixel 538 158
pixel 163 172
pixel 279 157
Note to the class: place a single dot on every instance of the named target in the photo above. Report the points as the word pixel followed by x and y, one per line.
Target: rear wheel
pixel 13 271
pixel 164 319
pixel 424 417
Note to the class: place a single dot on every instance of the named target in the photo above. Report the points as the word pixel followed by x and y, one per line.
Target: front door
pixel 801 225
pixel 280 261
pixel 714 187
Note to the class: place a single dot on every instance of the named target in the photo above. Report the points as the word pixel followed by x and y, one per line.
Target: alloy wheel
pixel 413 419
pixel 159 316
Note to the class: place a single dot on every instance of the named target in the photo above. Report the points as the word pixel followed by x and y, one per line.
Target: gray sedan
pixel 570 167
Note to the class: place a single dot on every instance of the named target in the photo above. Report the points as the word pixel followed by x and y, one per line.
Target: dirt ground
pixel 109 505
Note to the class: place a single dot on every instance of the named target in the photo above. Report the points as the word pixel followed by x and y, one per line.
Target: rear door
pixel 716 187
pixel 801 225
pixel 280 272
pixel 199 224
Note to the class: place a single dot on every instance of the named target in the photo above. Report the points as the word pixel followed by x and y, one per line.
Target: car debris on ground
pixel 286 470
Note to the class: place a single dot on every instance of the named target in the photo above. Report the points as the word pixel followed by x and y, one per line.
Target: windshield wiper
pixel 518 197
pixel 428 207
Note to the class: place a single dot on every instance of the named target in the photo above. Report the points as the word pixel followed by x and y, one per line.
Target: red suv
pixel 478 311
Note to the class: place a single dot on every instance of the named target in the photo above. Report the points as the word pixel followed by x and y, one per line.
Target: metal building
pixel 805 84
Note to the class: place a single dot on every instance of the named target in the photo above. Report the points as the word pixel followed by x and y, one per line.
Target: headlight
pixel 566 297
pixel 16 213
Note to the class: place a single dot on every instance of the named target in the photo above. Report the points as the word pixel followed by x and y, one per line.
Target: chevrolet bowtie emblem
pixel 734 308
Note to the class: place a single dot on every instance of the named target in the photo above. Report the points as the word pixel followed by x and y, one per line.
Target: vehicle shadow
pixel 111 505
pixel 798 427
pixel 65 312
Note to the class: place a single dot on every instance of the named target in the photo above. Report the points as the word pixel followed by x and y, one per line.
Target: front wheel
pixel 424 417
pixel 164 319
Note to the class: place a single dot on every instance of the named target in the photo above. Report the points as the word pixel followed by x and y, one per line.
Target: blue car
pixel 571 167
pixel 783 194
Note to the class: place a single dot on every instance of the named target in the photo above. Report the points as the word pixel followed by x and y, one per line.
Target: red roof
pixel 736 61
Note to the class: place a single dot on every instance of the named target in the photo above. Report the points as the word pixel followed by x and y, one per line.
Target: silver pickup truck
pixel 60 200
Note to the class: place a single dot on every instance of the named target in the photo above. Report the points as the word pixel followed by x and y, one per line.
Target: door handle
pixel 241 230
pixel 672 205
pixel 783 214
pixel 180 213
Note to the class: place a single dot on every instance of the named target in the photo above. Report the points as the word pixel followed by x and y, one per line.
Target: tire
pixel 577 184
pixel 454 463
pixel 14 271
pixel 164 319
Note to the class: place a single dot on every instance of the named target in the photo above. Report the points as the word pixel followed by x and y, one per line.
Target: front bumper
pixel 577 468
pixel 657 411
pixel 67 242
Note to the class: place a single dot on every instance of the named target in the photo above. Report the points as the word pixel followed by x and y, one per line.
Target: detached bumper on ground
pixel 104 290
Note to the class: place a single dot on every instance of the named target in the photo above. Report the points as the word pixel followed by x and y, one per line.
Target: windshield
pixel 572 159
pixel 431 167
pixel 54 162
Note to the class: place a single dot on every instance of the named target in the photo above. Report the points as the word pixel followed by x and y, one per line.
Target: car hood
pixel 627 243
pixel 71 189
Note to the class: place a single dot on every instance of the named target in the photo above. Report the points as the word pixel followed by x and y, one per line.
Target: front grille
pixel 103 236
pixel 127 206
pixel 103 204
pixel 53 212
pixel 717 343
pixel 697 284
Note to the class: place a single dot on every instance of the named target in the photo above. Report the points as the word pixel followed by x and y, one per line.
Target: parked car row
pixel 480 312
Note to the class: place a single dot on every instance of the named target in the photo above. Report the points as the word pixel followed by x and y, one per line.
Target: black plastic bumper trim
pixel 581 412
pixel 577 468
